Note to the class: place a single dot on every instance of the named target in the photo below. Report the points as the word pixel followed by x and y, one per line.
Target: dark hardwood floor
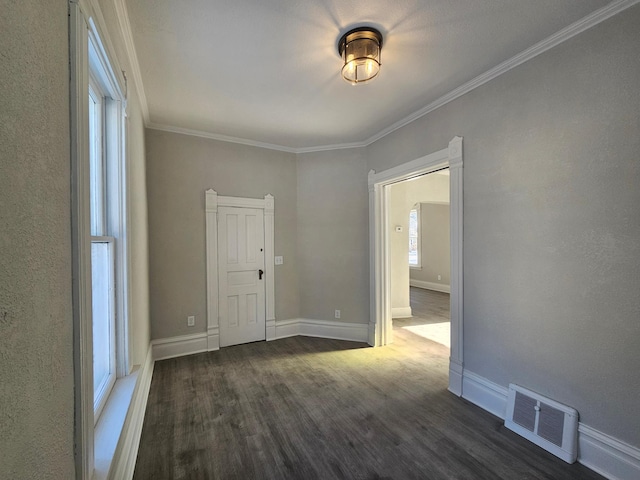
pixel 309 408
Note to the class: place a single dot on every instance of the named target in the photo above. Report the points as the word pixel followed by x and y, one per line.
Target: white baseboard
pixel 401 312
pixel 484 393
pixel 438 287
pixel 126 453
pixel 287 328
pixel 455 377
pixel 355 332
pixel 606 455
pixel 598 451
pixel 164 348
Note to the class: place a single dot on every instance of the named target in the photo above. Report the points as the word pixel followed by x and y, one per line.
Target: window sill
pixel 415 267
pixel 109 427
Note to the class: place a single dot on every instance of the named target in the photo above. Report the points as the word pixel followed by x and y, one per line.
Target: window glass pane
pixel 96 167
pixel 103 316
pixel 413 237
pixel 413 223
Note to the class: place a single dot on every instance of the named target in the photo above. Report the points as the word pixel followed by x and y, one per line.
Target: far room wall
pixel 402 197
pixel 435 248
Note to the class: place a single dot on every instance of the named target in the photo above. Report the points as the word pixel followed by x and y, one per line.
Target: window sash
pixel 97 163
pixel 104 319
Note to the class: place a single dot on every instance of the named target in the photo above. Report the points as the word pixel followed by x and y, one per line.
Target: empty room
pixel 319 239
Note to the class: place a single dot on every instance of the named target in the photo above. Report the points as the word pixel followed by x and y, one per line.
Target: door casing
pixel 212 202
pixel 380 325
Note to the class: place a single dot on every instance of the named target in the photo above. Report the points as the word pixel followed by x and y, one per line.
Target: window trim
pixel 89 53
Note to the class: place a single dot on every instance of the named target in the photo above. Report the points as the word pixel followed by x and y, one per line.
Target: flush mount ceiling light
pixel 360 52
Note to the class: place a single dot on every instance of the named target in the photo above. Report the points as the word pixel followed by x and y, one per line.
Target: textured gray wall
pixel 434 245
pixel 551 221
pixel 333 235
pixel 36 337
pixel 179 170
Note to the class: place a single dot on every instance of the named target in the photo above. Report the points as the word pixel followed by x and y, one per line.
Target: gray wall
pixel 551 221
pixel 36 337
pixel 36 334
pixel 435 249
pixel 179 170
pixel 333 235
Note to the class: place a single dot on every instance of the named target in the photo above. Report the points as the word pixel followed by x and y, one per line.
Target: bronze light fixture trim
pixel 360 52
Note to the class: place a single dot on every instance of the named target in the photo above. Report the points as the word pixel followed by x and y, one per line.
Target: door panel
pixel 241 291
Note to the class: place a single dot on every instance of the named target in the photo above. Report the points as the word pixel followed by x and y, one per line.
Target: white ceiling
pixel 268 70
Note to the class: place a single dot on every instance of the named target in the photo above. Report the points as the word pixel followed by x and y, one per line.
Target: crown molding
pixel 127 36
pixel 221 138
pixel 336 146
pixel 557 38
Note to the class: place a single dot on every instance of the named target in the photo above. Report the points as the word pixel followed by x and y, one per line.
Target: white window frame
pixel 89 57
pixel 418 264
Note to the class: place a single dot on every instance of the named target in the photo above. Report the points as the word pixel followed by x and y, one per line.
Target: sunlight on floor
pixel 437 332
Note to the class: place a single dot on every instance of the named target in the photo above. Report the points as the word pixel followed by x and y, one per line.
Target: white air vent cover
pixel 545 422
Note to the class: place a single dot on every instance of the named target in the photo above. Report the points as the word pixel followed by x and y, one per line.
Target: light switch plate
pixel 279 260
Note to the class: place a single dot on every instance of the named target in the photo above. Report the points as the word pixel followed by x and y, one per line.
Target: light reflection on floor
pixel 437 332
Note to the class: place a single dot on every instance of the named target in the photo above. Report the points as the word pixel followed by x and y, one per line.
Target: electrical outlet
pixel 191 321
pixel 439 277
pixel 278 260
pixel 337 313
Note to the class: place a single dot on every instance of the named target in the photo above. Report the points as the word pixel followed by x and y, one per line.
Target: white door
pixel 241 275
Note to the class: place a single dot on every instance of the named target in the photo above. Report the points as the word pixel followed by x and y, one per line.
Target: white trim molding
pixel 607 455
pixel 179 346
pixel 267 204
pixel 380 326
pixel 354 332
pixel 127 37
pixel 401 312
pixel 438 287
pixel 484 393
pixel 598 451
pixel 124 459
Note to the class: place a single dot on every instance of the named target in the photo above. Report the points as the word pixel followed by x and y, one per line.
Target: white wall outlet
pixel 279 260
pixel 191 321
pixel 439 277
pixel 337 313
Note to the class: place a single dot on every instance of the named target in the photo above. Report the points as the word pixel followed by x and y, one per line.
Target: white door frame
pixel 212 202
pixel 380 326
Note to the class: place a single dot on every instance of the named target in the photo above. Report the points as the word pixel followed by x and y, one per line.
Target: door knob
pixel 260 273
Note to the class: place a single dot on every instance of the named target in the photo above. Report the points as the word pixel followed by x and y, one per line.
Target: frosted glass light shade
pixel 360 52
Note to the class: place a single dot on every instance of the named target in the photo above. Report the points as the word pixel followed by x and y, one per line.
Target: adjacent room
pixel 319 239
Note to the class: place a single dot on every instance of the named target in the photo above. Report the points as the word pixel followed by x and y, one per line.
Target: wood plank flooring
pixel 310 408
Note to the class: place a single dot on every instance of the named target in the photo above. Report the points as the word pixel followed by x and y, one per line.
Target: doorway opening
pixel 381 324
pixel 419 248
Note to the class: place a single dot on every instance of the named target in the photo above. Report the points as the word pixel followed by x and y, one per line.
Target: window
pixel 99 239
pixel 103 312
pixel 414 237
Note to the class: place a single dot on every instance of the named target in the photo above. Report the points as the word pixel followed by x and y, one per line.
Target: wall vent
pixel 543 421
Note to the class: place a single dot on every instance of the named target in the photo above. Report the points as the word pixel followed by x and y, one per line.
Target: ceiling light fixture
pixel 360 52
